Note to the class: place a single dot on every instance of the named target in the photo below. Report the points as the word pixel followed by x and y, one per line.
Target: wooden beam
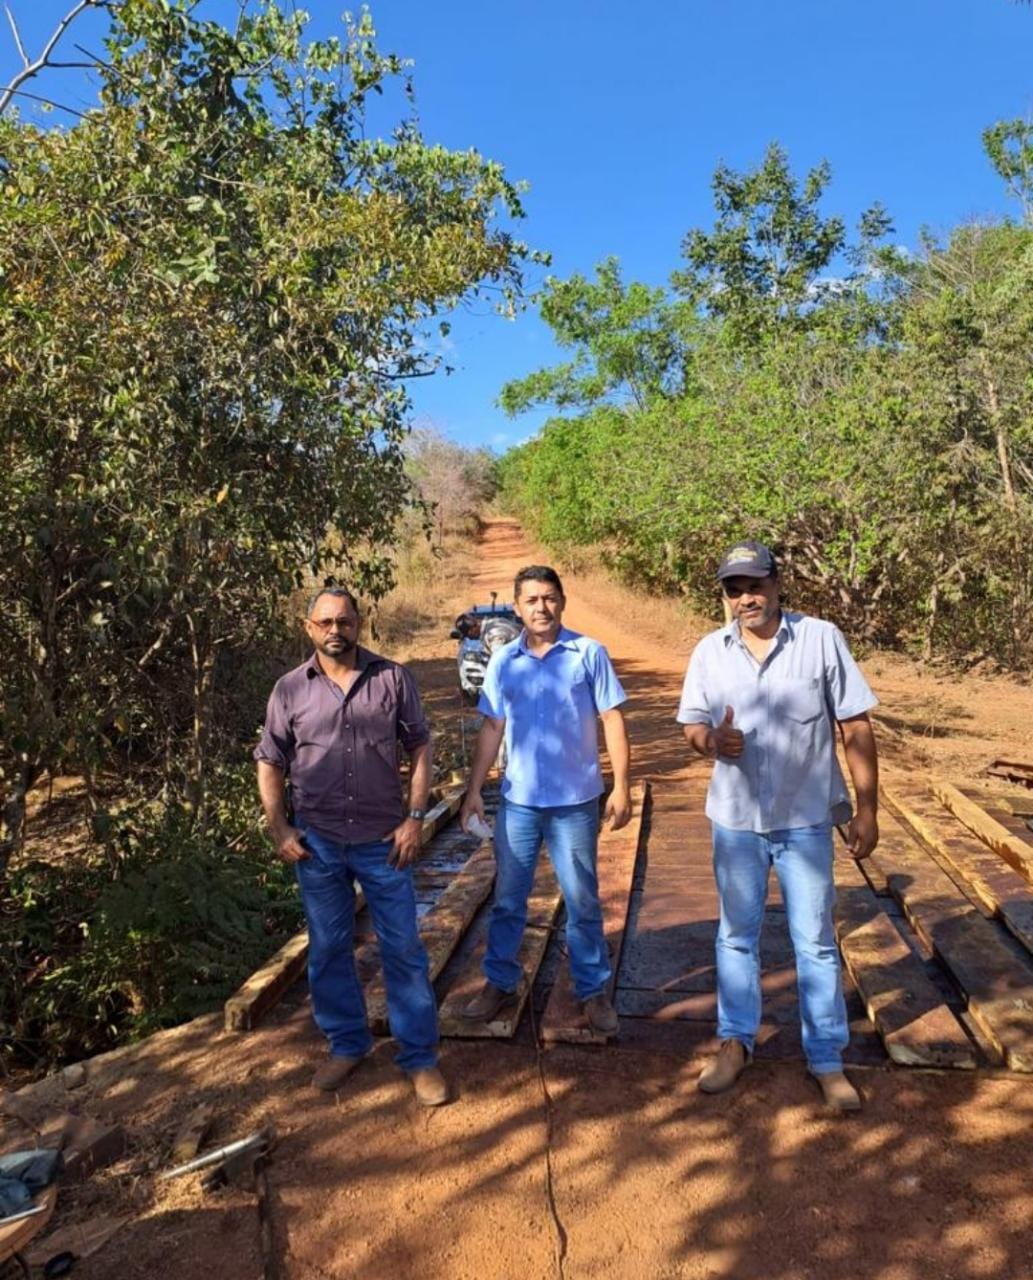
pixel 563 1018
pixel 998 888
pixel 191 1132
pixel 1015 851
pixel 1019 805
pixel 915 1025
pixel 441 928
pixel 254 998
pixel 543 907
pixel 996 981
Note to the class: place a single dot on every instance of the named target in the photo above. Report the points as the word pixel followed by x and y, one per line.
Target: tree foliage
pixel 866 412
pixel 212 289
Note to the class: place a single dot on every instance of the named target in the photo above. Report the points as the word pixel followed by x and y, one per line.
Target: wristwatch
pixel 418 814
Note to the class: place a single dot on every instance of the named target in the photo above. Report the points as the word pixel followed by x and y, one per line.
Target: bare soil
pixel 589 1163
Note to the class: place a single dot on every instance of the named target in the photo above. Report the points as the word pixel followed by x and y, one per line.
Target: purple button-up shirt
pixel 341 750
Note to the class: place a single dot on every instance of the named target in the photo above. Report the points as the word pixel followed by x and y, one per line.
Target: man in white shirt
pixel 763 697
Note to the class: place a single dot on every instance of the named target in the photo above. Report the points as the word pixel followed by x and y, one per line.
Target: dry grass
pixel 428 580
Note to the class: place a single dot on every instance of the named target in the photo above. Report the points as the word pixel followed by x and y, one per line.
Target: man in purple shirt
pixel 333 726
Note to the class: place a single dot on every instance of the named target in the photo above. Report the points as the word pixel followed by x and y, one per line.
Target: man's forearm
pixel 618 749
pixel 272 793
pixel 485 750
pixel 862 760
pixel 421 760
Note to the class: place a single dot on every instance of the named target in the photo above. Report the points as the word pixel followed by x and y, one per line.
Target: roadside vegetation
pixel 213 286
pixel 865 410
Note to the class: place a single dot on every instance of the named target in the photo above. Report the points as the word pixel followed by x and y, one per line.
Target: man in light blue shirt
pixel 763 697
pixel 544 692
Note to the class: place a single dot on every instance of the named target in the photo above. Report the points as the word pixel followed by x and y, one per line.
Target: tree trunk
pixel 996 420
pixel 12 820
pixel 197 761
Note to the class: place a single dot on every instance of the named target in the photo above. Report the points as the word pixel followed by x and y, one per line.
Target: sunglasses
pixel 734 592
pixel 326 625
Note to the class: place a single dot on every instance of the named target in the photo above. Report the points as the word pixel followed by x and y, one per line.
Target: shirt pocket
pixel 799 700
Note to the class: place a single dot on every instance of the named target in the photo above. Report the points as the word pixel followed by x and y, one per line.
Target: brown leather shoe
pixel 839 1093
pixel 487 1003
pixel 722 1071
pixel 430 1087
pixel 333 1073
pixel 601 1015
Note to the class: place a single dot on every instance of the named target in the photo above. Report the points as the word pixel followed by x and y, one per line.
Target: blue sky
pixel 616 115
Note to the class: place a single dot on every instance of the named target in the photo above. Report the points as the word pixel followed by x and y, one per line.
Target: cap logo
pixel 740 555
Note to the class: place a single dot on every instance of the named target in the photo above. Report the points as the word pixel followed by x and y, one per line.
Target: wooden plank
pixel 1016 852
pixel 16 1234
pixel 564 1018
pixel 1000 890
pixel 1020 806
pixel 1013 771
pixel 191 1133
pixel 543 907
pixel 908 1012
pixel 441 928
pixel 996 981
pixel 260 993
pixel 252 1001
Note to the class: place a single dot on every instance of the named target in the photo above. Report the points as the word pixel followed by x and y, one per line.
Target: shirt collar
pixel 564 640
pixel 363 659
pixel 732 632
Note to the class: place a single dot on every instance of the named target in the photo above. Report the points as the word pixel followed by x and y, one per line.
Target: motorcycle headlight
pixel 495 634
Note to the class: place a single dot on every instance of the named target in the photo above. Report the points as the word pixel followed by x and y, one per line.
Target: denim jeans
pixel 802 858
pixel 326 879
pixel 571 833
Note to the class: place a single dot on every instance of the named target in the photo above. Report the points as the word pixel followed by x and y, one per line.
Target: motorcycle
pixel 481 630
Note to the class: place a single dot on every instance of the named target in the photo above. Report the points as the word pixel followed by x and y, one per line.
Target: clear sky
pixel 616 115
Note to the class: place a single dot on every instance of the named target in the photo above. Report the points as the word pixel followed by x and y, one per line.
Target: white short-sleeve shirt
pixel 786 707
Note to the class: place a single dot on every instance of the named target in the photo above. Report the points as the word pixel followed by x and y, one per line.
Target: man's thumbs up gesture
pixel 726 740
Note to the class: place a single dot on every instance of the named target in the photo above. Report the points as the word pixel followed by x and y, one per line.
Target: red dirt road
pixel 581 1163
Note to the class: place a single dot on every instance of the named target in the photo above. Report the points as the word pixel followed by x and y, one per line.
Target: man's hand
pixel 406 840
pixel 473 806
pixel 618 809
pixel 288 841
pixel 862 834
pixel 726 740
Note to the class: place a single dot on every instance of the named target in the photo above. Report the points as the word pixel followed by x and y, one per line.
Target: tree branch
pixel 34 68
pixel 17 36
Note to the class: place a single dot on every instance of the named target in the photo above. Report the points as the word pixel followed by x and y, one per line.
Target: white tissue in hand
pixel 476 826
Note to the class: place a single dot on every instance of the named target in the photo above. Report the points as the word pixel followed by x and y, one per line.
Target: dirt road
pixel 579 1162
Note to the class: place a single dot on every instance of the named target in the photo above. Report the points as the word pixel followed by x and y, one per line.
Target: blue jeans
pixel 802 858
pixel 570 833
pixel 326 879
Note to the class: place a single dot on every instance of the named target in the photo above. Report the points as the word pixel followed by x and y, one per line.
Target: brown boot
pixel 333 1073
pixel 487 1003
pixel 430 1087
pixel 722 1071
pixel 839 1093
pixel 601 1015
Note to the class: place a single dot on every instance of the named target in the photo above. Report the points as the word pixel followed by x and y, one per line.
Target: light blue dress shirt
pixel 786 707
pixel 550 705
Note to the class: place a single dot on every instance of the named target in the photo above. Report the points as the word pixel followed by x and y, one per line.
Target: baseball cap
pixel 747 559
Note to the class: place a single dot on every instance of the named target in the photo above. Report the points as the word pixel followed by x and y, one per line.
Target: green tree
pixel 212 290
pixel 1009 146
pixel 762 268
pixel 625 338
